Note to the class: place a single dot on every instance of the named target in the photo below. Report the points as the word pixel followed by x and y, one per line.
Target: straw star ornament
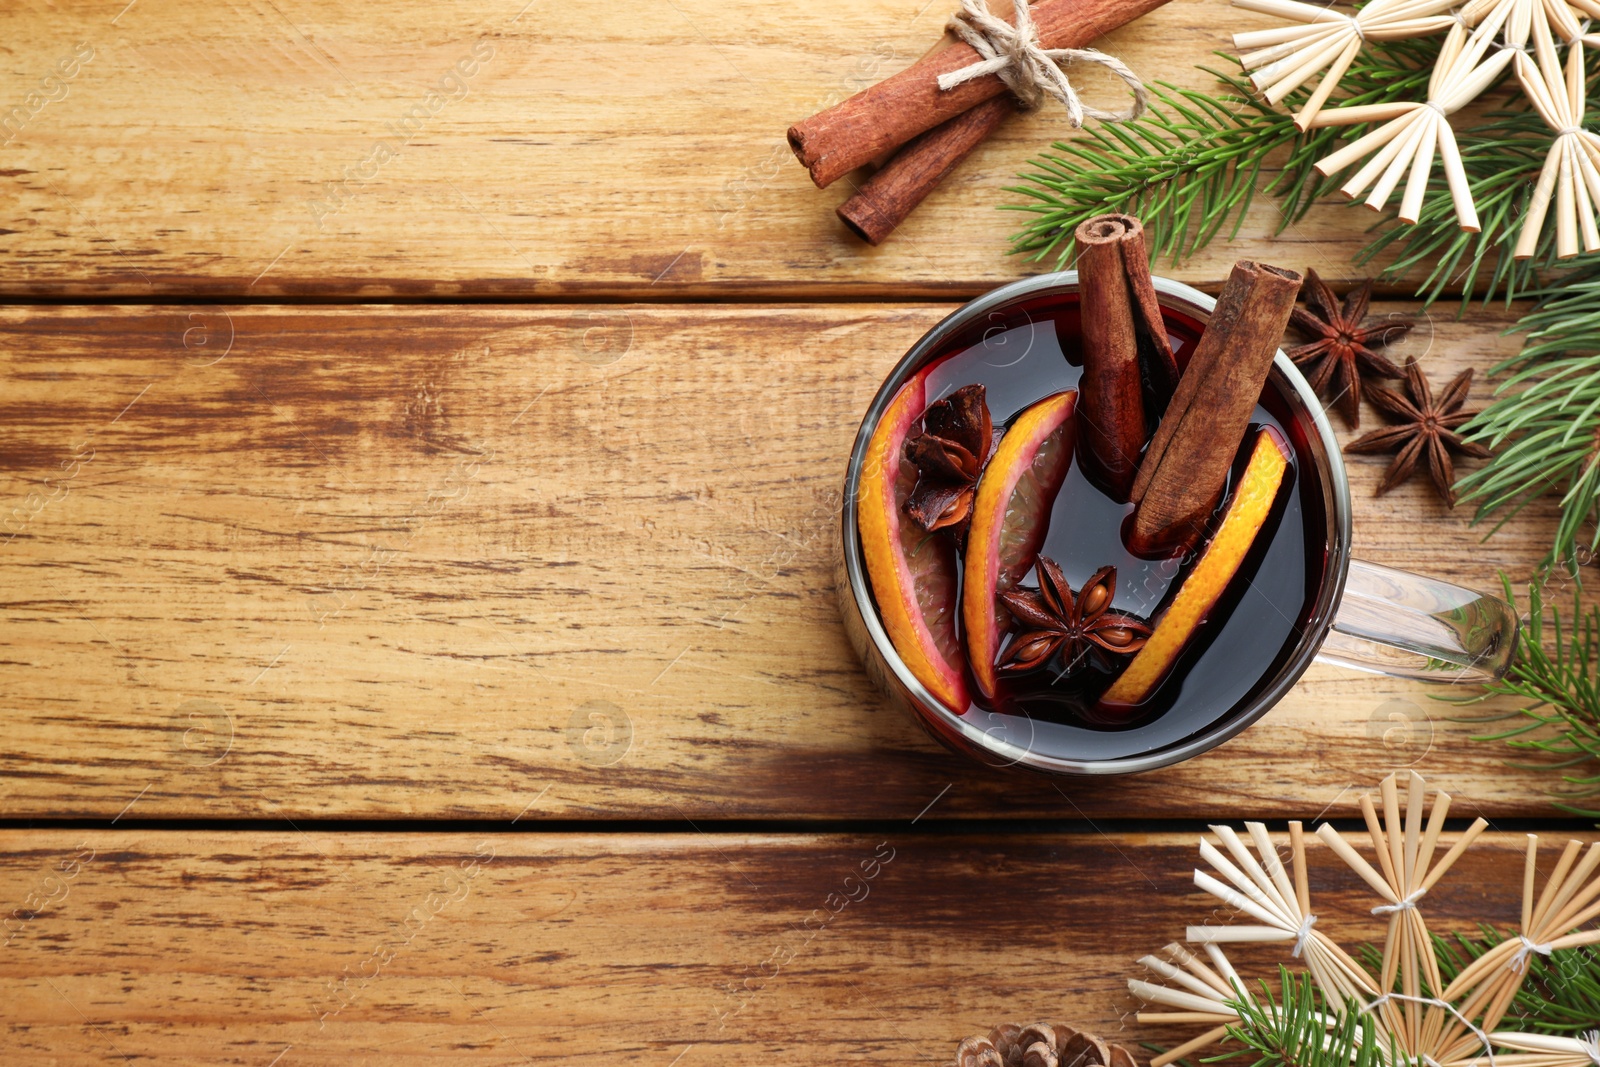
pixel 1485 40
pixel 1207 995
pixel 1414 1015
pixel 1412 133
pixel 1327 42
pixel 1520 17
pixel 1571 174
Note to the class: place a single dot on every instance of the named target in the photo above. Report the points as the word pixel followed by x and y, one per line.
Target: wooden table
pixel 449 535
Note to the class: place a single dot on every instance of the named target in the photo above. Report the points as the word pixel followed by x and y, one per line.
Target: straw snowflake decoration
pixel 1421 1019
pixel 1484 39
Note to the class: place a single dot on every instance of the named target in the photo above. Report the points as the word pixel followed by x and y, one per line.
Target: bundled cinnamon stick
pixel 1186 466
pixel 904 178
pixel 832 143
pixel 1129 373
pixel 884 201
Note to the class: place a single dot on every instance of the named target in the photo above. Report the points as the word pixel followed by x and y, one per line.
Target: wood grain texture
pixel 662 949
pixel 244 148
pixel 564 562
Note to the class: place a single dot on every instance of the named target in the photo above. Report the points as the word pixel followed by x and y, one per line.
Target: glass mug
pixel 1362 616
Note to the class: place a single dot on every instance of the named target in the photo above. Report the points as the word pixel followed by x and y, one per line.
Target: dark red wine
pixel 1029 351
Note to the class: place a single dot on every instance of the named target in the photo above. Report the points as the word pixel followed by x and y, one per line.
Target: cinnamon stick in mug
pixel 1129 374
pixel 1185 468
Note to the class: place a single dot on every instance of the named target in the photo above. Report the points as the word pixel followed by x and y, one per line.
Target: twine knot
pixel 1568 130
pixel 1477 1031
pixel 1029 70
pixel 1519 962
pixel 1303 935
pixel 1408 903
pixel 1355 25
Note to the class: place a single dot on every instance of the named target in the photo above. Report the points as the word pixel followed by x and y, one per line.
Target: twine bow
pixel 1407 903
pixel 1519 962
pixel 1029 70
pixel 1477 1031
pixel 1303 935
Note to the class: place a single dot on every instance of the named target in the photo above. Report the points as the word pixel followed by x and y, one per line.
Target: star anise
pixel 1421 427
pixel 949 453
pixel 1054 620
pixel 1343 346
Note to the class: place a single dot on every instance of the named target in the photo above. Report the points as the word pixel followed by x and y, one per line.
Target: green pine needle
pixel 1561 994
pixel 1186 168
pixel 1559 691
pixel 1195 161
pixel 1287 1026
pixel 1290 1029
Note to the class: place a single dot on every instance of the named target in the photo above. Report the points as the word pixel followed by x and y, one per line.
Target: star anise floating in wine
pixel 1423 428
pixel 1343 346
pixel 1054 620
pixel 949 453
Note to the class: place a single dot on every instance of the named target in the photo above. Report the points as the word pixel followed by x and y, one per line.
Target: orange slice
pixel 913 572
pixel 1246 513
pixel 1009 517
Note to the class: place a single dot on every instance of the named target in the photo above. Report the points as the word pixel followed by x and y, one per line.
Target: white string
pixel 1519 962
pixel 1407 904
pixel 1355 24
pixel 1488 1049
pixel 1303 935
pixel 1590 1043
pixel 1030 71
pixel 1565 130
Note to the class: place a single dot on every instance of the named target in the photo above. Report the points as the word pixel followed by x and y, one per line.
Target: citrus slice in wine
pixel 1009 518
pixel 913 572
pixel 1219 563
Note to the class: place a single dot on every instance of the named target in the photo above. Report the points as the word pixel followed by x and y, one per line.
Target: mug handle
pixel 1402 624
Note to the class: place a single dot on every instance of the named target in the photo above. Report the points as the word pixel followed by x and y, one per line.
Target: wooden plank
pixel 502 948
pixel 244 149
pixel 364 563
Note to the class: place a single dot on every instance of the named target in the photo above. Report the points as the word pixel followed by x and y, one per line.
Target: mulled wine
pixel 1045 577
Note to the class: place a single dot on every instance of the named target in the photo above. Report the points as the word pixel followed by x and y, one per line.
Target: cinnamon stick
pixel 903 178
pixel 1129 373
pixel 832 143
pixel 885 199
pixel 1186 466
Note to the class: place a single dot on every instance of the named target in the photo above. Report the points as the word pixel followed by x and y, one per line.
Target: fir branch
pixel 1560 996
pixel 1185 168
pixel 1559 692
pixel 1290 1028
pixel 1195 161
pixel 1544 431
pixel 1544 423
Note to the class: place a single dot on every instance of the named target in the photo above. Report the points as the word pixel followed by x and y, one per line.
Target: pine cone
pixel 1040 1045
